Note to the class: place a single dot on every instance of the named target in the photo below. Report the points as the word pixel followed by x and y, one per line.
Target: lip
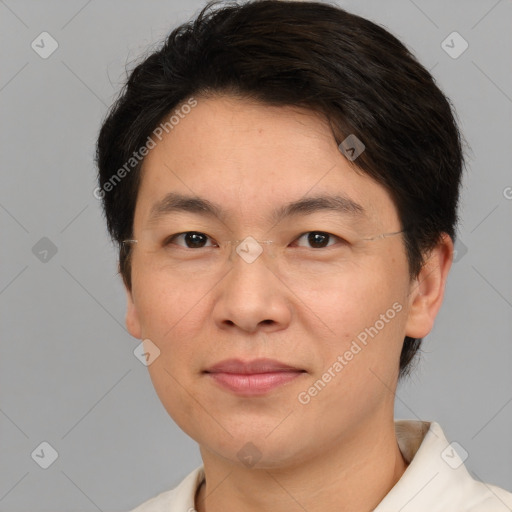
pixel 251 378
pixel 250 367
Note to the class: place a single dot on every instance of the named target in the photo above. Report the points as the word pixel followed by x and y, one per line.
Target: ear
pixel 427 290
pixel 132 315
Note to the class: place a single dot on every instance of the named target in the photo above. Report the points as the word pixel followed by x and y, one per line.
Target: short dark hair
pixel 306 54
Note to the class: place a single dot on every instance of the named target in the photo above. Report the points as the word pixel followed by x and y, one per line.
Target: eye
pixel 190 240
pixel 318 239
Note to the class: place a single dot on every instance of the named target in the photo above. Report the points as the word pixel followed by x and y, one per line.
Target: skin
pixel 339 451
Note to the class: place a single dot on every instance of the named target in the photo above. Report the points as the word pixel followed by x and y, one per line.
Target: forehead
pixel 252 160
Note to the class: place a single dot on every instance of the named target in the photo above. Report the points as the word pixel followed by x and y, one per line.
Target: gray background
pixel 68 372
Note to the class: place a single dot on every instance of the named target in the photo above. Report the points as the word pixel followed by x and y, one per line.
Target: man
pixel 282 179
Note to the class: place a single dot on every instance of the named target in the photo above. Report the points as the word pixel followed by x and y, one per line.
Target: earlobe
pixel 132 316
pixel 427 290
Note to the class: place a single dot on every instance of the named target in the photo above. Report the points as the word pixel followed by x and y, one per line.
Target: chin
pixel 256 450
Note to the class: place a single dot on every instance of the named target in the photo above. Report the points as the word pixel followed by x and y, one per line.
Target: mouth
pixel 251 378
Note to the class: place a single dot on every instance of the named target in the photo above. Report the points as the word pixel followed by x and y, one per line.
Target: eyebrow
pixel 174 202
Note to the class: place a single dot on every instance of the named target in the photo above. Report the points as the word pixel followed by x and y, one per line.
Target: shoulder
pixel 179 499
pixel 436 479
pixel 489 498
pixel 159 503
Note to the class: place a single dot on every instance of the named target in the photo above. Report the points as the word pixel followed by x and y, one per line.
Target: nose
pixel 252 298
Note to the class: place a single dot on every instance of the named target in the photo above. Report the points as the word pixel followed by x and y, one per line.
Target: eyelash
pixel 172 238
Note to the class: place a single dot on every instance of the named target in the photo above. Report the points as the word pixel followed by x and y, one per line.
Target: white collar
pixel 435 480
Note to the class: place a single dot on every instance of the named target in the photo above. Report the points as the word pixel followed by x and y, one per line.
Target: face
pixel 318 298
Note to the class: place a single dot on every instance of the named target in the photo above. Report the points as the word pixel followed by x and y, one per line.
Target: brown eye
pixel 317 239
pixel 190 240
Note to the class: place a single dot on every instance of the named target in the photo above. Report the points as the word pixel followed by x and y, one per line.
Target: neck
pixel 352 476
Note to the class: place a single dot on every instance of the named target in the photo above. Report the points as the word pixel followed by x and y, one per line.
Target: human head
pixel 310 55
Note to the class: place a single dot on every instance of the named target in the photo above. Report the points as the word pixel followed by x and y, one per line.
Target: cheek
pixel 363 316
pixel 172 315
pixel 166 302
pixel 170 312
pixel 348 301
pixel 171 388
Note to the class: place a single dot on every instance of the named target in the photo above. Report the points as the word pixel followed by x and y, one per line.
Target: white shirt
pixel 435 480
